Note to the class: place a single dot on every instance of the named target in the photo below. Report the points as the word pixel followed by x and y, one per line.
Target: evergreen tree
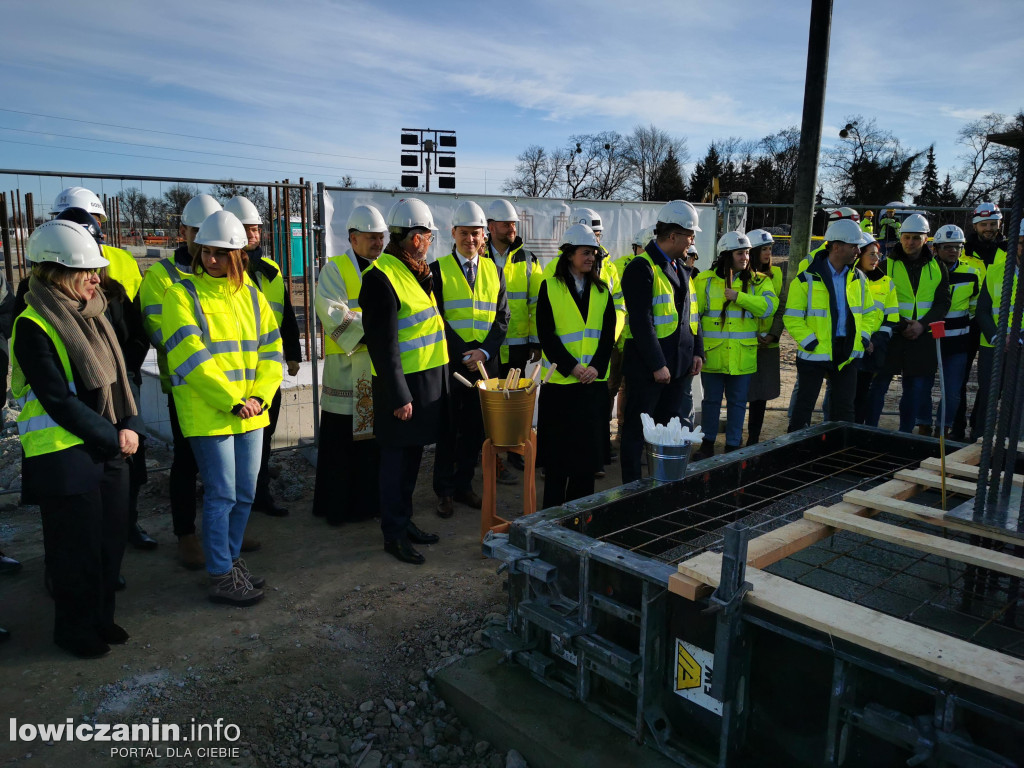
pixel 668 183
pixel 930 192
pixel 947 196
pixel 703 173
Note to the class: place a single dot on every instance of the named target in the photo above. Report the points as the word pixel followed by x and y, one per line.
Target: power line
pixel 223 141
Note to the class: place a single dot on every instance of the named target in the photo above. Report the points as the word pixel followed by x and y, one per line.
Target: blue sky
pixel 322 88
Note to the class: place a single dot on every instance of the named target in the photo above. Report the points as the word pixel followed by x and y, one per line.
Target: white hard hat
pixel 915 223
pixel 580 234
pixel 222 230
pixel 79 197
pixel 866 239
pixel 643 236
pixel 198 209
pixel 732 241
pixel 681 213
pixel 366 218
pixel 66 243
pixel 759 237
pixel 502 210
pixel 837 214
pixel 844 231
pixel 244 209
pixel 692 251
pixel 987 212
pixel 949 233
pixel 589 217
pixel 469 214
pixel 409 213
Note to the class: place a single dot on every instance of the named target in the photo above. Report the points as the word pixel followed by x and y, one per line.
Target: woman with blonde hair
pixel 224 351
pixel 78 424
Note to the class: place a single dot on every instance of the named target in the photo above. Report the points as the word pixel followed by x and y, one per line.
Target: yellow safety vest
pixel 353 282
pixel 886 306
pixel 469 311
pixel 805 262
pixel 421 343
pixel 915 305
pixel 964 286
pixel 663 303
pixel 764 325
pixel 124 269
pixel 579 338
pixel 730 343
pixel 157 280
pixel 38 432
pixel 808 315
pixel 994 286
pixel 223 347
pixel 522 284
pixel 273 289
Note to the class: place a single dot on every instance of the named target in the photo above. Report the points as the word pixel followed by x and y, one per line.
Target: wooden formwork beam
pixel 935 481
pixel 958 469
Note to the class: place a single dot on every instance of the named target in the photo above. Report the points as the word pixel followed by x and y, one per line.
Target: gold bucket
pixel 507 422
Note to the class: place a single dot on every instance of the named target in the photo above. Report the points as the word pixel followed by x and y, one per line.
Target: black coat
pixel 290 341
pixel 392 387
pixel 645 353
pixel 917 357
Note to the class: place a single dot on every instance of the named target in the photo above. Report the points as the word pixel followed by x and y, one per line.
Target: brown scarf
pixel 90 343
pixel 419 267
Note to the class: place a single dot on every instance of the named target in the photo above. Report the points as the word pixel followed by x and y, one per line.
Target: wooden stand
pixel 489 520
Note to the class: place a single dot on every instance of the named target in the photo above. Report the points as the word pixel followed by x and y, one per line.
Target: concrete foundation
pixel 502 704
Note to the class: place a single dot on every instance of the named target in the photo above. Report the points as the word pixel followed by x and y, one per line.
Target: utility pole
pixel 810 132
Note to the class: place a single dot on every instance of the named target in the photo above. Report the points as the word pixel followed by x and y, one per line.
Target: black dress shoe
pixel 8 565
pixel 404 551
pixel 114 635
pixel 4 635
pixel 140 539
pixel 270 507
pixel 416 536
pixel 122 585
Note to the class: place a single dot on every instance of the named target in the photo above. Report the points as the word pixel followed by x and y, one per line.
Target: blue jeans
pixel 734 387
pixel 916 390
pixel 954 371
pixel 229 466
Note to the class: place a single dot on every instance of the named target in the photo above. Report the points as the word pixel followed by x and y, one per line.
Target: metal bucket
pixel 668 462
pixel 507 422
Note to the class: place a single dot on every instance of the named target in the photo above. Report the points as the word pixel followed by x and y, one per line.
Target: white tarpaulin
pixel 541 220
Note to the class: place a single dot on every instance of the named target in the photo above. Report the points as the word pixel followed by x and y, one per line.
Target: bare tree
pixel 782 149
pixel 158 212
pixel 133 205
pixel 256 195
pixel 537 173
pixel 178 195
pixel 869 165
pixel 646 150
pixel 596 168
pixel 986 169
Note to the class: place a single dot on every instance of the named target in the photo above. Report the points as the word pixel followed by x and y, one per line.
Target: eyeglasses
pixel 428 236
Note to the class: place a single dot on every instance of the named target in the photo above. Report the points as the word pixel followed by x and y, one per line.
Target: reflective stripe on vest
pixel 420 327
pixel 37 430
pixel 663 305
pixel 353 283
pixel 579 338
pixel 211 347
pixel 273 290
pixel 913 306
pixel 469 311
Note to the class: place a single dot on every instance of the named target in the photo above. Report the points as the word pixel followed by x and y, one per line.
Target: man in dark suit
pixel 664 348
pixel 404 335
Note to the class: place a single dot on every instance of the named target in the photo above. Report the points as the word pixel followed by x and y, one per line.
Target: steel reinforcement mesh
pixel 762 505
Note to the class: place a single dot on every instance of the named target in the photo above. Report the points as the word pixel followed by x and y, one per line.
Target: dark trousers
pixel 755 420
pixel 960 421
pixel 662 402
pixel 459 443
pixel 84 540
pixel 810 374
pixel 861 399
pixel 347 471
pixel 183 479
pixel 399 468
pixel 263 497
pixel 137 477
pixel 978 414
pixel 518 356
pixel 560 487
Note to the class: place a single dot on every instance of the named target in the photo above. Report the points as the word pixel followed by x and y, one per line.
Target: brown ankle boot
pixel 190 552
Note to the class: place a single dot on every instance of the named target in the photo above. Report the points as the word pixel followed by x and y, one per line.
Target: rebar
pixel 5 238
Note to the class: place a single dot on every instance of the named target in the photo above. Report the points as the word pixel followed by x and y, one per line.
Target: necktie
pixel 471 274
